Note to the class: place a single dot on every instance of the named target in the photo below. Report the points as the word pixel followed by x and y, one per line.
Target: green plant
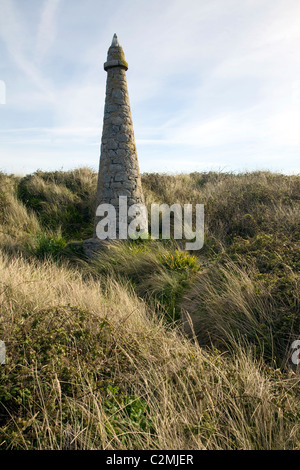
pixel 181 261
pixel 126 413
pixel 43 245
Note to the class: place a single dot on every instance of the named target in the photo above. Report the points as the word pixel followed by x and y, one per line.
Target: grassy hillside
pixel 100 354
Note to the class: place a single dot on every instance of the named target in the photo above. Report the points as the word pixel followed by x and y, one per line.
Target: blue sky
pixel 213 84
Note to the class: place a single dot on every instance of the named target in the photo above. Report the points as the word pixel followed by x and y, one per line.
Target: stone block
pixel 114 168
pixel 112 144
pixel 121 176
pixel 121 152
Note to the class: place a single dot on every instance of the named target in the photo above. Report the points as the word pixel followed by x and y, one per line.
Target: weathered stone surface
pixel 117 121
pixel 121 152
pixel 92 246
pixel 121 177
pixel 107 178
pixel 114 167
pixel 112 144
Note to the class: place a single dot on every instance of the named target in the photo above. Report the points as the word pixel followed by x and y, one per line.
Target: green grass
pixel 149 346
pixel 157 271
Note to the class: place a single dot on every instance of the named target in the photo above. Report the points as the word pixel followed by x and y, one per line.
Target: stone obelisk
pixel 119 173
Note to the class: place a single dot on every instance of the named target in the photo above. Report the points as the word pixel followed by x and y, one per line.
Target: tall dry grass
pixel 235 204
pixel 91 361
pixel 61 200
pixel 232 304
pixel 17 223
pixel 90 367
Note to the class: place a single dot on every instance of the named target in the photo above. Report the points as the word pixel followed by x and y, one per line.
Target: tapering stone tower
pixel 119 173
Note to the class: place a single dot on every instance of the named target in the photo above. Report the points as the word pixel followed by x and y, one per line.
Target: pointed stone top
pixel 115 41
pixel 115 55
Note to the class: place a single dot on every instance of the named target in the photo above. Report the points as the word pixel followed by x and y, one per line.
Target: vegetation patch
pixel 97 351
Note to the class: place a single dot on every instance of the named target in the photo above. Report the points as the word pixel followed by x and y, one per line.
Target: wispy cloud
pixel 47 28
pixel 14 32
